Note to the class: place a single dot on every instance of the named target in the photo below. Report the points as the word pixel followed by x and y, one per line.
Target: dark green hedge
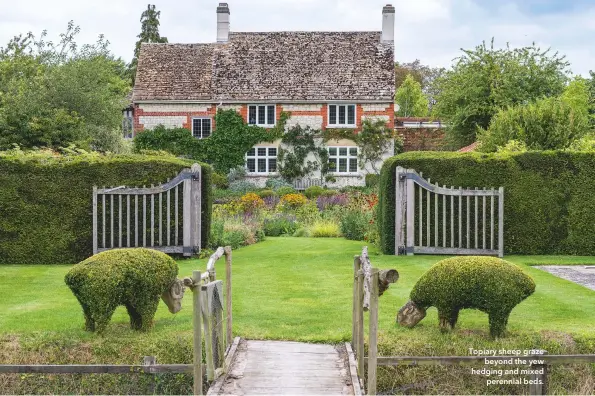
pixel 46 201
pixel 549 199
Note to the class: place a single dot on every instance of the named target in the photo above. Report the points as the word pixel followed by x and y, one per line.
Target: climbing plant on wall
pixel 296 146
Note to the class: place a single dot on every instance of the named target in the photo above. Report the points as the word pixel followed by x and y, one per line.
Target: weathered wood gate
pixel 444 224
pixel 123 220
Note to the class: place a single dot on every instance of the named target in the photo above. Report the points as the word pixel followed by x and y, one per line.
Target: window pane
pixel 351 114
pixel 251 152
pixel 353 151
pixel 332 151
pixel 261 115
pixel 332 164
pixel 252 115
pixel 332 116
pixel 353 165
pixel 342 115
pixel 342 164
pixel 272 164
pixel 262 165
pixel 272 152
pixel 270 115
pixel 196 127
pixel 206 127
pixel 262 151
pixel 251 164
pixel 343 151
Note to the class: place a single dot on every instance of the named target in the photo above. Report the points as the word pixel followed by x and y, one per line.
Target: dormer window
pixel 261 115
pixel 341 116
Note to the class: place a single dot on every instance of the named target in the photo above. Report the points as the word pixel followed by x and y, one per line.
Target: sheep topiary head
pixel 173 296
pixel 410 314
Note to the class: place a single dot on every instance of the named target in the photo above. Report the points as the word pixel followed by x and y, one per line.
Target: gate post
pixel 501 222
pixel 400 210
pixel 94 220
pixel 410 192
pixel 196 204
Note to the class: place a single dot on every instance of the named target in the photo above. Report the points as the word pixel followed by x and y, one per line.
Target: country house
pixel 324 79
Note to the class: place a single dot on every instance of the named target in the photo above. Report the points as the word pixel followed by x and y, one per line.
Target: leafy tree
pixel 423 74
pixel 54 95
pixel 485 80
pixel 149 33
pixel 547 124
pixel 411 100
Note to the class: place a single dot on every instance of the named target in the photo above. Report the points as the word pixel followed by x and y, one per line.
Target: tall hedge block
pixel 46 201
pixel 549 204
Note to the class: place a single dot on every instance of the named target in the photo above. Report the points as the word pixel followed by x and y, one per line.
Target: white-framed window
pixel 342 159
pixel 201 127
pixel 261 160
pixel 341 115
pixel 261 115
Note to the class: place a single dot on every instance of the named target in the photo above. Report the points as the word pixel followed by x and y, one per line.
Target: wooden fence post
pixel 400 208
pixel 196 203
pixel 354 316
pixel 501 222
pixel 410 189
pixel 373 335
pixel 196 323
pixel 538 384
pixel 228 295
pixel 360 325
pixel 187 218
pixel 150 361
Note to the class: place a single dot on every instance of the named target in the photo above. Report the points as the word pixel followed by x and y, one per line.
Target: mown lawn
pixel 294 289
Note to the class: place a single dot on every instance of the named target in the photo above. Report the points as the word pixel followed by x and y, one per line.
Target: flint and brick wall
pixel 422 139
pixel 148 116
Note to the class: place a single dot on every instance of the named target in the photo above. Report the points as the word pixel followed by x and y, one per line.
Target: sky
pixel 432 31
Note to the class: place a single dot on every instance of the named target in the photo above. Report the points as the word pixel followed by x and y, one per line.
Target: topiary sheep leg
pixel 146 311
pixel 445 320
pixel 498 323
pixel 89 322
pixel 102 318
pixel 454 317
pixel 135 317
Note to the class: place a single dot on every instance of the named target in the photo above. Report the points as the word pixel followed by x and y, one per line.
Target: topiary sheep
pixel 135 278
pixel 490 284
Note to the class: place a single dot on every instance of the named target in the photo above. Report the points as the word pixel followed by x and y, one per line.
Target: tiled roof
pixel 277 66
pixel 469 148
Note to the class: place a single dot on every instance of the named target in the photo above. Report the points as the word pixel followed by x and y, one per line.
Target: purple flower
pixel 324 202
pixel 271 202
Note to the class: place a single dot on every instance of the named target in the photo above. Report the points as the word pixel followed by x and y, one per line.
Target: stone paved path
pixel 279 367
pixel 581 274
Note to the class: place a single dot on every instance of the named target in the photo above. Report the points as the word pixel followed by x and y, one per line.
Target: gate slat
pixel 160 219
pixel 452 221
pixel 436 218
pixel 152 219
pixel 144 219
pixel 168 219
pixel 136 221
pixel 467 224
pixel 501 222
pixel 111 214
pixel 460 218
pixel 103 222
pixel 492 221
pixel 483 221
pixel 128 221
pixel 444 219
pixel 428 217
pixel 410 215
pixel 475 235
pixel 176 243
pixel 120 220
pixel 421 216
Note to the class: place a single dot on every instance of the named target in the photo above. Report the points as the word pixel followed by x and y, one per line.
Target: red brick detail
pixel 422 139
pixel 324 114
pixel 244 112
pixel 138 112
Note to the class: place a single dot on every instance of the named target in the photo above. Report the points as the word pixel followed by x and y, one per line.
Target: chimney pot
pixel 388 24
pixel 223 23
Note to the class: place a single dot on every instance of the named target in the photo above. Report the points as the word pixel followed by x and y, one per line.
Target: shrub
pixel 301 233
pixel 251 202
pixel 372 180
pixel 135 278
pixel 234 233
pixel 489 284
pixel 548 205
pixel 293 201
pixel 313 192
pixel 242 186
pixel 46 200
pixel 220 181
pixel 266 193
pixel 329 193
pixel 276 183
pixel 355 224
pixel 325 229
pixel 279 225
pixel 236 174
pixel 281 191
pixel 307 214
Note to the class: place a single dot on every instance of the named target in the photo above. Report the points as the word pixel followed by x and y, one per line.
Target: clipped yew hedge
pixel 549 196
pixel 46 200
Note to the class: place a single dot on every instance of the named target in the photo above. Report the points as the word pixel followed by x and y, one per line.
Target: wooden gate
pixel 172 227
pixel 430 219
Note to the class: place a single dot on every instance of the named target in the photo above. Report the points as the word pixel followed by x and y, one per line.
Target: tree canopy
pixel 485 79
pixel 411 100
pixel 55 95
pixel 149 33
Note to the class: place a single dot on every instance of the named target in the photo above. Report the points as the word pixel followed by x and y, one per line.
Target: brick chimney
pixel 388 24
pixel 223 23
